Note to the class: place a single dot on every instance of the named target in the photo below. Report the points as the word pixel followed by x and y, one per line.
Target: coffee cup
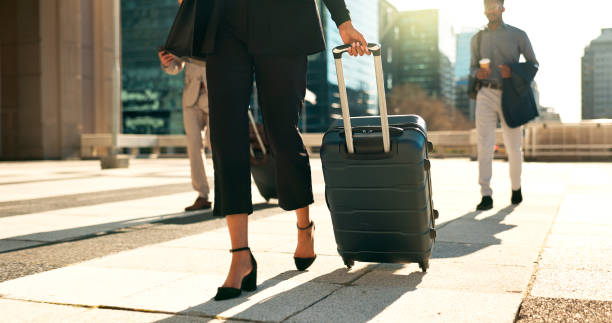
pixel 485 63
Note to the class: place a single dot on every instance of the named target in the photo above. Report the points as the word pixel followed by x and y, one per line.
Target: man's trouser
pixel 488 110
pixel 195 119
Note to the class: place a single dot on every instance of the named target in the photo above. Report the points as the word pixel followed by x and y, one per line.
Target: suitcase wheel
pixel 436 214
pixel 427 164
pixel 348 262
pixel 432 234
pixel 424 264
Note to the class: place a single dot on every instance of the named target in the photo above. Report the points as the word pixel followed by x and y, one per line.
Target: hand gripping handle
pixel 382 101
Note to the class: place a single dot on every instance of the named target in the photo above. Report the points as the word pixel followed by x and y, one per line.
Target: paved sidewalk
pixel 550 254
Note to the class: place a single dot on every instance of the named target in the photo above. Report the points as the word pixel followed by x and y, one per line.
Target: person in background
pixel 195 120
pixel 493 48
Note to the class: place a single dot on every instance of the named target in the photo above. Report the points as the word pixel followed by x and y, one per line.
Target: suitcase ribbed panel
pixel 379 203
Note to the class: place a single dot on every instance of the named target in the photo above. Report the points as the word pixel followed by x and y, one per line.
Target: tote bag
pixel 186 37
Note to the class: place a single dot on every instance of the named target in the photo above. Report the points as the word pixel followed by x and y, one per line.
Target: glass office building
pixel 389 38
pixel 358 72
pixel 151 98
pixel 426 48
pixel 597 77
pixel 462 63
pixel 462 70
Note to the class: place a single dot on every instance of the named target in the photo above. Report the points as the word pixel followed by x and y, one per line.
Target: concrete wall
pixel 56 75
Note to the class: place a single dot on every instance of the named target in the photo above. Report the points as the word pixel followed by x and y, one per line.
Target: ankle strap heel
pixel 303 263
pixel 248 283
pixel 306 227
pixel 240 249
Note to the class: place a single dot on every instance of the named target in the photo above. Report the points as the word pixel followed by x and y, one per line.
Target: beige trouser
pixel 195 119
pixel 488 110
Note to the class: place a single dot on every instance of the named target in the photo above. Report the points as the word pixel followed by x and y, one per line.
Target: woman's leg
pixel 238 226
pixel 229 76
pixel 281 87
pixel 305 244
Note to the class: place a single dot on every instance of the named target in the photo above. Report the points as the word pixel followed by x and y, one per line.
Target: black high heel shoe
pixel 249 282
pixel 303 263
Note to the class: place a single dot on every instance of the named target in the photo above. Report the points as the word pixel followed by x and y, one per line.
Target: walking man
pixel 195 120
pixel 493 49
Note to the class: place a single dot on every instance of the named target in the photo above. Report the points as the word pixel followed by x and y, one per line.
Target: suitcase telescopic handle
pixel 261 143
pixel 382 101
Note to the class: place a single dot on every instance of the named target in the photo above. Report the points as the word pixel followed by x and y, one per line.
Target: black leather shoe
pixel 303 263
pixel 485 204
pixel 249 282
pixel 517 197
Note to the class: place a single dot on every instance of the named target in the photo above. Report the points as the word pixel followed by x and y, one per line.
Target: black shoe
pixel 303 263
pixel 485 204
pixel 249 282
pixel 517 197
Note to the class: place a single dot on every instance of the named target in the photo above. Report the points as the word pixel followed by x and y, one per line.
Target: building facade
pixel 151 98
pixel 426 48
pixel 462 70
pixel 358 72
pixel 597 78
pixel 56 75
pixel 389 39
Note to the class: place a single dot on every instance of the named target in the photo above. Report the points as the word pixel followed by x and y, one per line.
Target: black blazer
pixel 281 26
pixel 518 101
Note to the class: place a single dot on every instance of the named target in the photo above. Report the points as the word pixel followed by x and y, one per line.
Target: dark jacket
pixel 281 26
pixel 518 102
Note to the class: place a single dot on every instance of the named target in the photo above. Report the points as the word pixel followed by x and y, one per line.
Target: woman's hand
pixel 351 36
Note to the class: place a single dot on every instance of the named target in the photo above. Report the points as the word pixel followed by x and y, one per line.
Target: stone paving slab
pixel 476 278
pixel 102 316
pixel 274 301
pixel 580 229
pixel 579 241
pixel 81 285
pixel 572 258
pixel 492 232
pixel 73 222
pixel 271 265
pixel 410 304
pixel 217 240
pixel 573 284
pixel 27 191
pixel 478 253
pixel 69 223
pixel 481 268
pixel 14 311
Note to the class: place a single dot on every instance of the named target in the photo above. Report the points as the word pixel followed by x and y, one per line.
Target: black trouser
pixel 281 87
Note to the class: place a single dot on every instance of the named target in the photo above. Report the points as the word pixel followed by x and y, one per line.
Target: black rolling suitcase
pixel 377 182
pixel 263 164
